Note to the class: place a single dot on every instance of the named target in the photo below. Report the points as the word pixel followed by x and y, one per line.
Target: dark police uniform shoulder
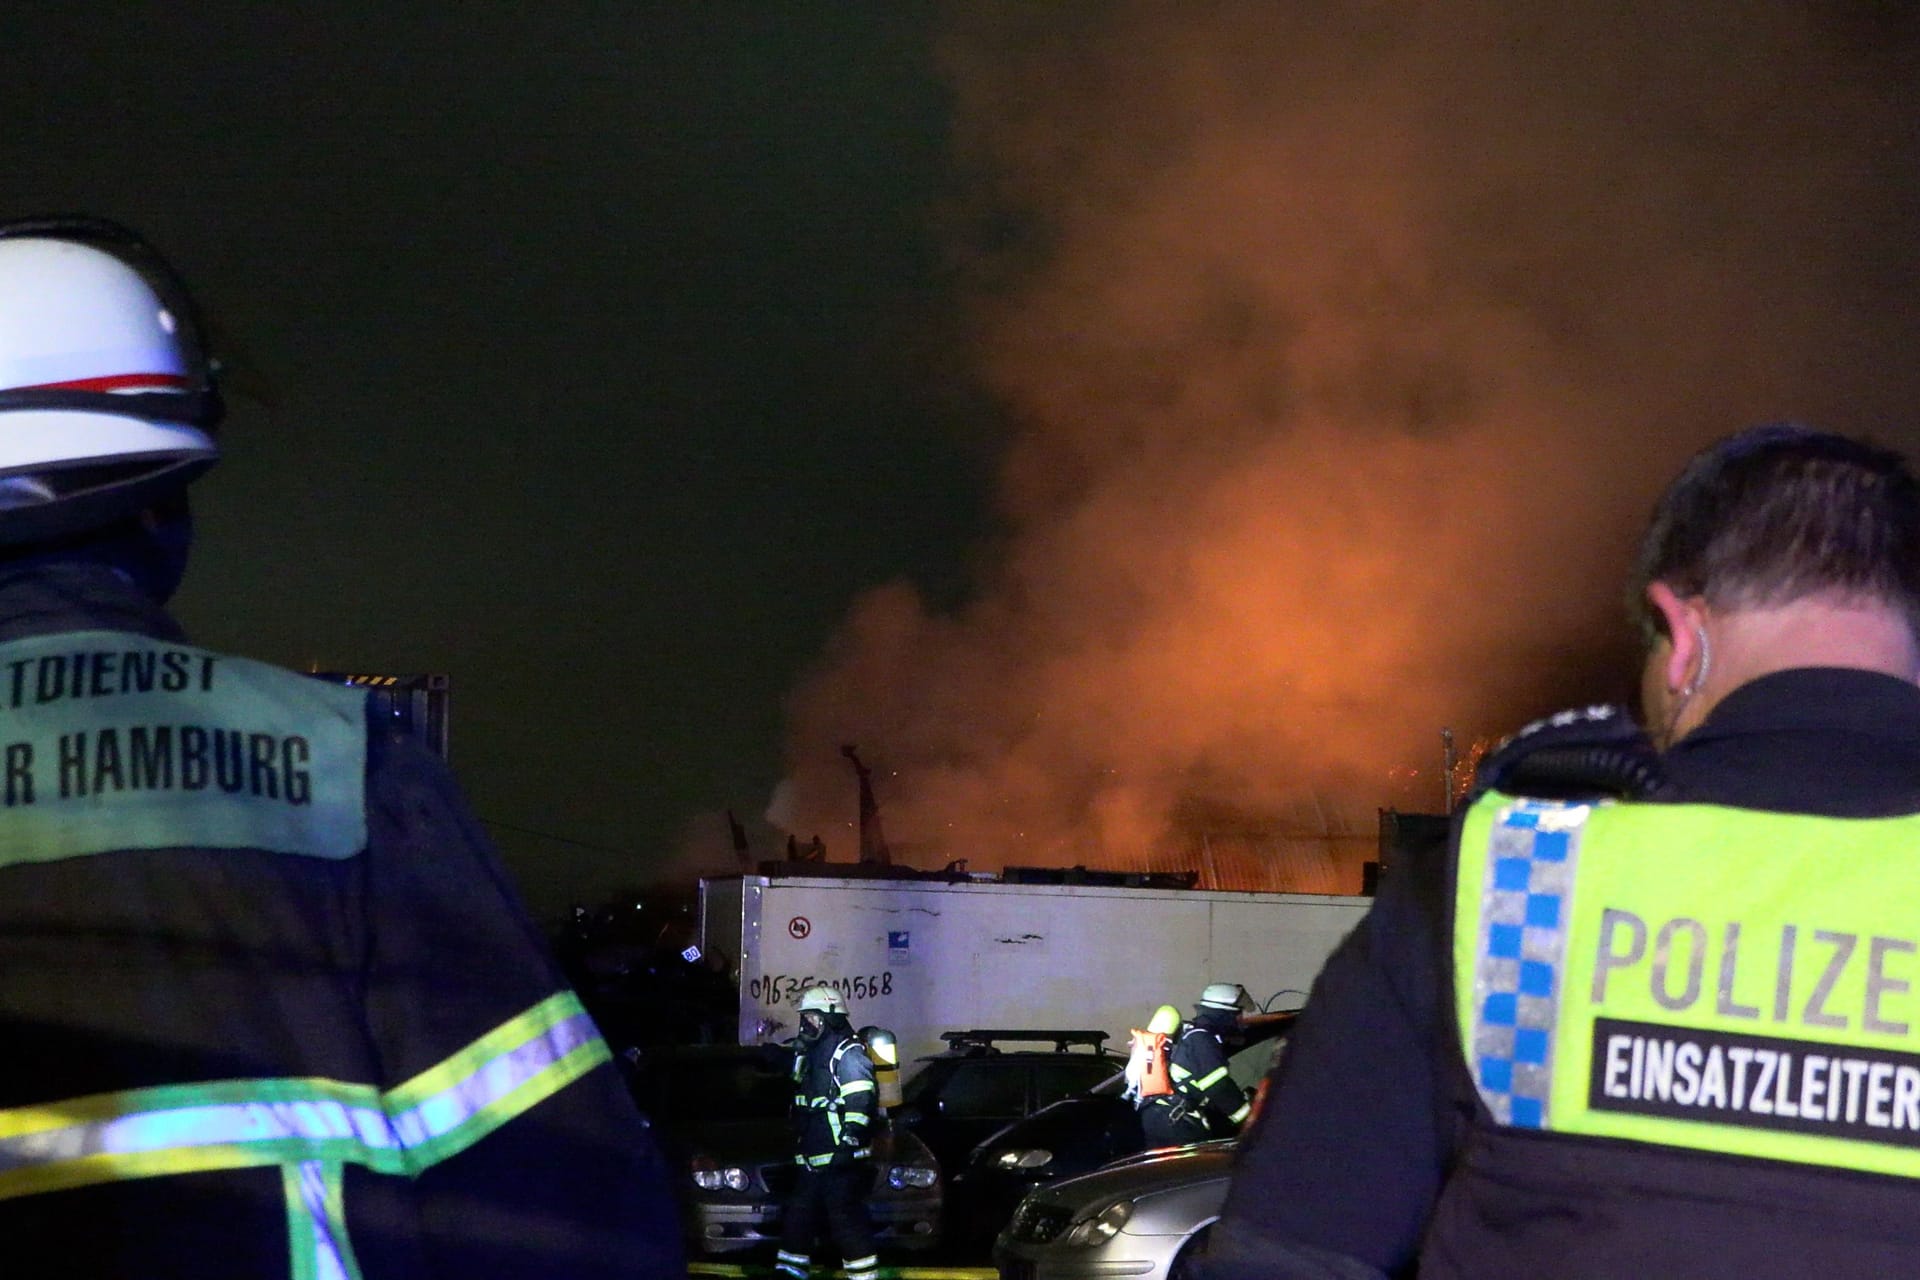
pixel 1580 754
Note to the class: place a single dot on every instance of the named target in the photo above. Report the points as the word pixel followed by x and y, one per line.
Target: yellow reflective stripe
pixel 1177 1072
pixel 528 1060
pixel 491 1117
pixel 856 1086
pixel 1210 1079
pixel 90 1170
pixel 511 1034
pixel 317 1223
pixel 301 1262
pixel 229 1124
pixel 193 1130
pixel 100 1107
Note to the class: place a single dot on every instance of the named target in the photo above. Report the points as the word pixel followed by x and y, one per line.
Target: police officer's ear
pixel 1682 626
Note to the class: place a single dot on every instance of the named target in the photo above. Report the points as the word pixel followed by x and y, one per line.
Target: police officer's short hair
pixel 1780 513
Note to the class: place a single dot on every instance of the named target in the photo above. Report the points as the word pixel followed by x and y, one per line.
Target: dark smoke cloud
pixel 1345 345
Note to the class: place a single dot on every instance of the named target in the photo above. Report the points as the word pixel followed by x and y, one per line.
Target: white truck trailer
pixel 925 956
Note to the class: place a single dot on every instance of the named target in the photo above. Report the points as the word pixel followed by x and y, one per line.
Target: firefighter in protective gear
pixel 271 1005
pixel 1167 1117
pixel 835 1108
pixel 1199 1061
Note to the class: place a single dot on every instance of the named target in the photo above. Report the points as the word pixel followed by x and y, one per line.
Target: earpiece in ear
pixel 1706 660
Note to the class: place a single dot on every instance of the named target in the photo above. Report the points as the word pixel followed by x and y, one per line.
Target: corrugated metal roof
pixel 1270 861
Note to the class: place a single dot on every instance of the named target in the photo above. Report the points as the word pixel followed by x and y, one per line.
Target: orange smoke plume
pixel 1344 348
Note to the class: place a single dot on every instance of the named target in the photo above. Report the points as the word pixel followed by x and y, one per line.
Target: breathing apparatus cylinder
pixel 884 1052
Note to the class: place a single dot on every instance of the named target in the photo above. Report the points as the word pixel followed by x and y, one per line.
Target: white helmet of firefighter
pixel 1225 995
pixel 107 393
pixel 821 1000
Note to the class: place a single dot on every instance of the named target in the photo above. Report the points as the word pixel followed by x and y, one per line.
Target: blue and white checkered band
pixel 1524 901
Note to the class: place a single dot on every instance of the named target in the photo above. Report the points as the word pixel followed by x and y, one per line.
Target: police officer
pixel 270 1007
pixel 834 1107
pixel 1198 1064
pixel 1655 1014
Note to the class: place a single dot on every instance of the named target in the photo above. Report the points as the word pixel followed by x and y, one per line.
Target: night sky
pixel 1093 411
pixel 591 340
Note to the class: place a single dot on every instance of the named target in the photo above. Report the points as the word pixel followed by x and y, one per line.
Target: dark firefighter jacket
pixel 833 1099
pixel 1374 1154
pixel 1198 1069
pixel 269 1005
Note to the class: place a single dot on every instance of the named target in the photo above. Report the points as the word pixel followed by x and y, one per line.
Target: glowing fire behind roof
pixel 1343 348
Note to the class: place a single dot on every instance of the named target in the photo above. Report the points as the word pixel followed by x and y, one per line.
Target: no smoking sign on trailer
pixel 799 927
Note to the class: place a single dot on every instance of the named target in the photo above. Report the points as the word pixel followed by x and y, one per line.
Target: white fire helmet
pixel 1224 995
pixel 821 1000
pixel 107 393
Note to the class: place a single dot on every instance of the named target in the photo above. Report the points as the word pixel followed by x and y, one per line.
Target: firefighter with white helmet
pixel 256 959
pixel 834 1110
pixel 1228 996
pixel 1203 1100
pixel 1199 1065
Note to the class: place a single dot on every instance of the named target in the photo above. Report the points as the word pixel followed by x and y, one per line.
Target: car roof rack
pixel 990 1039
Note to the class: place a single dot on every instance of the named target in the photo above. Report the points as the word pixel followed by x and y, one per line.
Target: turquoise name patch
pixel 116 741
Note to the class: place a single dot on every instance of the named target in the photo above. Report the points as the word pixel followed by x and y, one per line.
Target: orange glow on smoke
pixel 1343 361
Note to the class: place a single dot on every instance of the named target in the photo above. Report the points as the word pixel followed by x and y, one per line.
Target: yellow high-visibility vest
pixel 1694 976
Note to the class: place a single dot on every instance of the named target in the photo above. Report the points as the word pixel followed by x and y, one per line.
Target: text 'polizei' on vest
pixel 1831 979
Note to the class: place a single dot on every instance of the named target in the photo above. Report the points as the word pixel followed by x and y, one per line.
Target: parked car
pixel 1075 1136
pixel 1143 1217
pixel 976 1087
pixel 721 1112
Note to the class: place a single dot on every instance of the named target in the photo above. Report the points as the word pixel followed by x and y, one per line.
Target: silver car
pixel 1141 1216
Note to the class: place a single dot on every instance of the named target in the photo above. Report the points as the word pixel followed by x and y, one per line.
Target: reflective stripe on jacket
pixel 309 1128
pixel 834 1101
pixel 272 1004
pixel 1198 1071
